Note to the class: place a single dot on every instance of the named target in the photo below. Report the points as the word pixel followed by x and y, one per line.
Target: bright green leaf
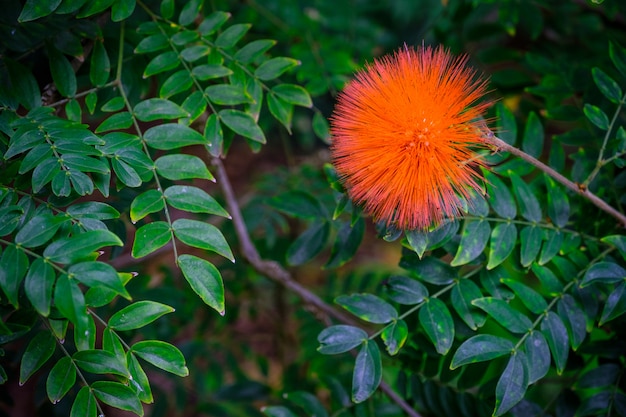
pixel 117 395
pixel 205 279
pixel 61 379
pixel 242 123
pixel 150 201
pixel 170 136
pixel 138 315
pixel 151 237
pixel 503 238
pixel 202 235
pixel 162 355
pixel 68 250
pixel 395 335
pixel 503 313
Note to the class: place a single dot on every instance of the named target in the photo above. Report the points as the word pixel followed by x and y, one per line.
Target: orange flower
pixel 403 134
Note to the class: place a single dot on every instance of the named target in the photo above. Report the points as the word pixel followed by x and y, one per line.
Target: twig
pixel 597 201
pixel 274 271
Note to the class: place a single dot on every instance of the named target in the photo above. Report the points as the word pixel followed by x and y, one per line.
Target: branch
pixel 274 271
pixel 597 201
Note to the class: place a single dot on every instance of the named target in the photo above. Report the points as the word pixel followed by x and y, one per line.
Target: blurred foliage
pixel 116 253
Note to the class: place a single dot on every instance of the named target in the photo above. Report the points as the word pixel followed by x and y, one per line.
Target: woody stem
pixel 501 145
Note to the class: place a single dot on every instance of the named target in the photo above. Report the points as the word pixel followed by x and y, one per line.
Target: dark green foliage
pixel 114 119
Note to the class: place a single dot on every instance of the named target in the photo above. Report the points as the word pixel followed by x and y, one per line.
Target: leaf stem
pixel 501 145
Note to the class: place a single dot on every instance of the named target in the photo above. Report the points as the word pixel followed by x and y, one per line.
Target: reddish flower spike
pixel 402 136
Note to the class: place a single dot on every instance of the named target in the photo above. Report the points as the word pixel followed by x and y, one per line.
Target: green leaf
pixel 596 116
pixel 603 272
pixel 500 197
pixel 70 301
pixel 555 332
pixel 242 123
pixel 529 297
pixel 210 71
pixel 39 230
pixel 293 94
pixel 615 304
pixel 182 167
pixel 10 218
pixel 405 290
pixel 116 104
pixel 229 37
pixel 607 85
pixel 551 246
pixel 275 67
pixel 281 110
pixel 126 173
pixel 418 240
pixel 368 307
pixel 462 296
pixel 158 108
pixel 308 402
pixel 138 314
pixel 340 338
pixel 162 355
pixel 98 361
pixel 227 94
pixel 152 43
pixel 538 355
pixel 603 375
pixel 24 140
pixel 474 238
pixel 202 235
pixel 61 379
pixel 178 82
pixel 205 279
pixel 35 9
pixel 528 203
pixel 151 237
pixel 68 250
pixel 507 125
pixel 512 384
pixel 503 313
pixel 503 238
pixel 100 67
pixel 558 204
pixel 253 50
pixel 320 127
pixel 309 244
pixel 139 380
pixel 619 241
pixel 161 63
pixel 194 200
pixel 214 135
pixel 62 72
pixel 549 282
pixel 122 10
pixel 430 269
pixel 277 411
pixel 532 143
pixel 150 201
pixel 84 404
pixel 85 164
pixel 98 274
pixel 395 335
pixel 479 348
pixel 38 285
pixel 346 244
pixel 189 12
pixel 367 372
pixel 530 244
pixel 24 85
pixel 618 56
pixel 13 268
pixel 37 353
pixel 117 395
pixel 297 203
pixel 34 157
pixel 118 121
pixel 170 136
pixel 194 52
pixel 574 319
pixel 85 334
pixel 437 322
pixel 213 22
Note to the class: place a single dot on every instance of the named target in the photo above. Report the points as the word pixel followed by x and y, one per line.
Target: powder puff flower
pixel 404 134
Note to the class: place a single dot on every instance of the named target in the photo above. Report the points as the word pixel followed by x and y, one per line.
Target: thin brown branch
pixel 501 145
pixel 274 271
